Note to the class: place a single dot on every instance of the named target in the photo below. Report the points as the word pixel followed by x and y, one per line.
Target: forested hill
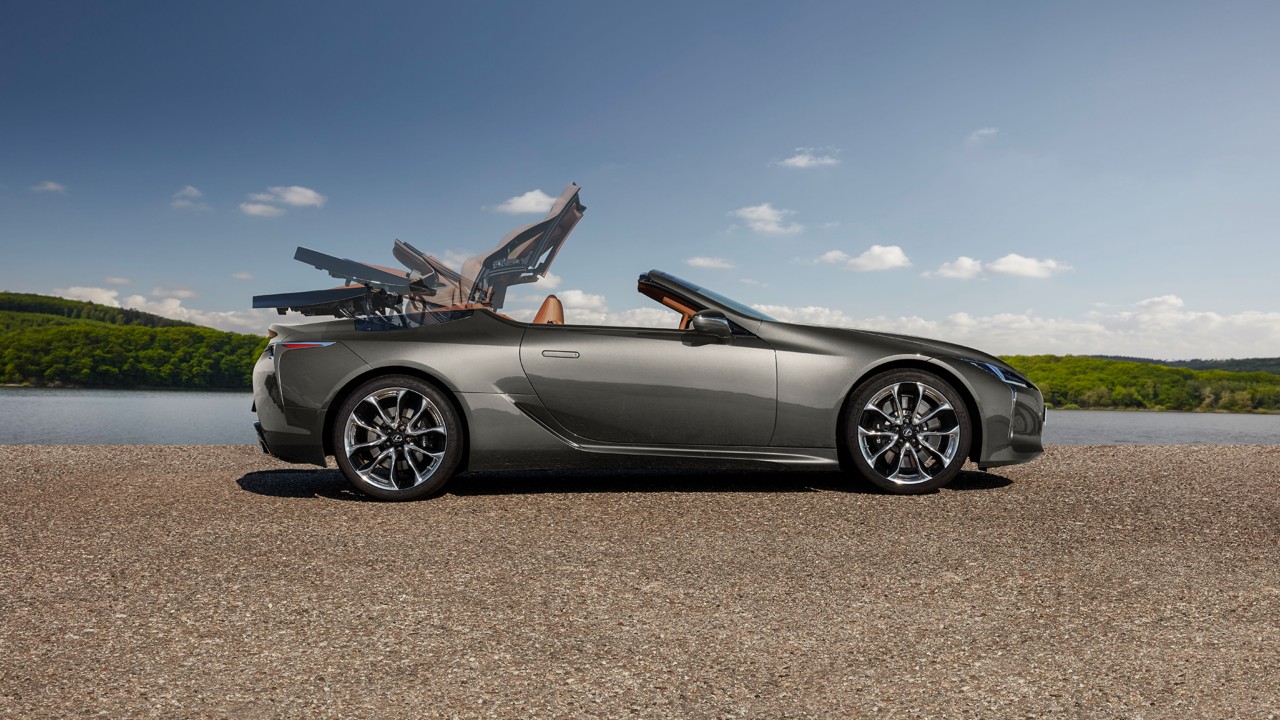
pixel 78 310
pixel 1271 365
pixel 49 341
pixel 1090 382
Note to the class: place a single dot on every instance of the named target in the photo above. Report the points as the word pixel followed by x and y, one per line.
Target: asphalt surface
pixel 1120 581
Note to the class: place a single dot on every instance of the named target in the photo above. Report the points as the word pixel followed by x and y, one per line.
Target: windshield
pixel 719 299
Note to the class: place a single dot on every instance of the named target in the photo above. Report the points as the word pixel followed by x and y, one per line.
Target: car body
pixel 723 385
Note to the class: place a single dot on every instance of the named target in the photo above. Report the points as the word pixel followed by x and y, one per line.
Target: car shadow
pixel 312 484
pixel 332 485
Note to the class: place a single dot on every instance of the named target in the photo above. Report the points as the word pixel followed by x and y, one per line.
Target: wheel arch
pixel 330 413
pixel 923 365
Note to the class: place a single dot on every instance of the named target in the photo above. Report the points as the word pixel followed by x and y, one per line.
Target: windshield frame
pixel 709 297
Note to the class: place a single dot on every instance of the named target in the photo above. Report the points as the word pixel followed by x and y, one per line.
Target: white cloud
pixel 242 276
pixel 579 300
pixel 880 257
pixel 809 157
pixel 294 195
pixel 175 292
pixel 962 268
pixel 768 220
pixel 49 186
pixel 1015 264
pixel 260 210
pixel 981 135
pixel 453 258
pixel 266 204
pixel 711 262
pixel 534 201
pixel 102 296
pixel 808 315
pixel 1160 305
pixel 188 198
pixel 582 308
pixel 877 257
pixel 550 281
pixel 1156 327
pixel 112 280
pixel 251 321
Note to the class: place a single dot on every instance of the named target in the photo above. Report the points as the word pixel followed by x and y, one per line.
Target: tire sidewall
pixel 863 394
pixel 453 427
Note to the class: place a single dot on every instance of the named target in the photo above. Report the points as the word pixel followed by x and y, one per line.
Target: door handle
pixel 560 353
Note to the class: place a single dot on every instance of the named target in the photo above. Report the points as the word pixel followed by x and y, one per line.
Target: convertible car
pixel 420 376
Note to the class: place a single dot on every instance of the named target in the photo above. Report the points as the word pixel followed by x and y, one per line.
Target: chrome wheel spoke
pixel 424 431
pixel 934 412
pixel 374 463
pixel 391 469
pixel 360 421
pixel 422 407
pixel 897 403
pixel 920 400
pixel 936 453
pixel 882 413
pixel 863 432
pixel 897 466
pixel 408 455
pixel 953 432
pixel 872 460
pixel 399 400
pixel 378 406
pixel 918 465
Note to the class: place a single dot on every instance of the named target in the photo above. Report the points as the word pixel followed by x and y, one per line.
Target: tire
pixel 907 431
pixel 397 438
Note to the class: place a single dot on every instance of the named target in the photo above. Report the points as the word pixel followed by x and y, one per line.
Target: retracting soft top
pixel 523 256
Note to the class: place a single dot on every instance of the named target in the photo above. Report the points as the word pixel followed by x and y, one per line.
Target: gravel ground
pixel 1100 581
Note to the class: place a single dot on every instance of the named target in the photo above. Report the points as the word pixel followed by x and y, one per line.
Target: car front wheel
pixel 397 438
pixel 907 431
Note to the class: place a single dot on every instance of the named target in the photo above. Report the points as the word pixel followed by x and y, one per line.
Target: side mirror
pixel 711 322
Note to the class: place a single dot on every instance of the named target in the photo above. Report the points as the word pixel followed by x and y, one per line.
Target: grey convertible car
pixel 419 377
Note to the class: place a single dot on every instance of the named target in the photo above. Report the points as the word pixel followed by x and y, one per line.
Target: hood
pixel 929 346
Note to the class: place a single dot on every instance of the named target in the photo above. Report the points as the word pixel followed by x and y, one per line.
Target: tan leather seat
pixel 551 312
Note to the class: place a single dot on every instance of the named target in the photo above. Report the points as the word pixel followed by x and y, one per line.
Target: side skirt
pixel 800 457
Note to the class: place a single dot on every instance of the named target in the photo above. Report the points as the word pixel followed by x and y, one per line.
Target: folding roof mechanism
pixel 523 256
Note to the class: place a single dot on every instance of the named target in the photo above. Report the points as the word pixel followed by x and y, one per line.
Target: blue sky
pixel 1026 177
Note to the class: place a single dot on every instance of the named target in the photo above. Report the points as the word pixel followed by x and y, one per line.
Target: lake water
pixel 127 417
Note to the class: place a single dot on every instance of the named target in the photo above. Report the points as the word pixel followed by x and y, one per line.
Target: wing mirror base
pixel 710 322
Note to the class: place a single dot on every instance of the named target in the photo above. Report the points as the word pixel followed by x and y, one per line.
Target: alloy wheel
pixel 395 438
pixel 908 433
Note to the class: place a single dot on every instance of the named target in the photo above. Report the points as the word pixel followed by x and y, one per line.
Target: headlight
pixel 1008 377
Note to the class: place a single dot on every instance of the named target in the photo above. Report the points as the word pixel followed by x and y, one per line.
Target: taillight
pixel 271 347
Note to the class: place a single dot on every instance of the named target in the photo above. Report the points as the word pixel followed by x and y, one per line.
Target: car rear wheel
pixel 907 431
pixel 397 438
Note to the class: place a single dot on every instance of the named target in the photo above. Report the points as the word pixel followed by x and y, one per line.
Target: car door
pixel 653 386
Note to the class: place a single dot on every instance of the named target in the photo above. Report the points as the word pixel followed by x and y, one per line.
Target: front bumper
pixel 1017 437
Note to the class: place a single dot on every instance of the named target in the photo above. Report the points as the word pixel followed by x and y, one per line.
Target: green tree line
pixel 78 310
pixel 48 341
pixel 92 355
pixel 1087 382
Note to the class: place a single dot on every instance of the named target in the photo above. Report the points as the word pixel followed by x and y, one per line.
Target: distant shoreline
pixel 147 388
pixel 247 391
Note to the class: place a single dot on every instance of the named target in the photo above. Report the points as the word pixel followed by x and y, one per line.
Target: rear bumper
pixel 262 437
pixel 291 434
